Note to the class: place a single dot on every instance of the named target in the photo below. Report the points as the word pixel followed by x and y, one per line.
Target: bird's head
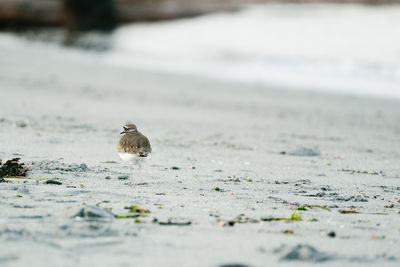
pixel 129 128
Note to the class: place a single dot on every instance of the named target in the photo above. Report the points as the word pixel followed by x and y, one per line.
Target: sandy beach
pixel 251 175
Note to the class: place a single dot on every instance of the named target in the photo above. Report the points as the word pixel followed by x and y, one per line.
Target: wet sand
pixel 243 155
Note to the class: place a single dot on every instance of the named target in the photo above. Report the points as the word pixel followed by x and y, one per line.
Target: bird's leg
pixel 139 170
pixel 130 174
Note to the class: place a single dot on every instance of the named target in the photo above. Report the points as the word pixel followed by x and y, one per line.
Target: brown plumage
pixel 134 142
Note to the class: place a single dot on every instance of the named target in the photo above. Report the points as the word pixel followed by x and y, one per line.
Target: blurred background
pixel 345 46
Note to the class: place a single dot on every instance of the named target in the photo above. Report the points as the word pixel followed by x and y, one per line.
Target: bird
pixel 133 147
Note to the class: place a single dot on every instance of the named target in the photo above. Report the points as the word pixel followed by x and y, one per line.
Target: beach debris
pixel 295 216
pixel 288 232
pixel 158 205
pixel 123 177
pixel 241 218
pixel 353 171
pixel 175 168
pixel 127 216
pixel 331 234
pixel 136 211
pixel 174 221
pixel 302 252
pixel 226 223
pixel 374 236
pixel 53 182
pixel 216 188
pixel 94 212
pixel 12 168
pixel 347 211
pixel 307 206
pixel 313 220
pixel 19 195
pixel 306 152
pixel 2 180
pixel 21 124
pixel 134 208
pixel 107 177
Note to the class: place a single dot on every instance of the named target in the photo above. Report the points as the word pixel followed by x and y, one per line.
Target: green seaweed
pixel 302 208
pixel 295 216
pixel 134 208
pixel 313 220
pixel 217 188
pixel 347 211
pixel 127 216
pixel 159 205
pixel 19 195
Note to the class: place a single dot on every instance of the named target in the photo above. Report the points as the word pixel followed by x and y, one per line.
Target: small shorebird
pixel 133 147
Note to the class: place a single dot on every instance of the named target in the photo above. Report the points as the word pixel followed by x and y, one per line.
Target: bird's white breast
pixel 128 157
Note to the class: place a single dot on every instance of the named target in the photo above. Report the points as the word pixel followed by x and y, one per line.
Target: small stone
pixel 331 234
pixel 108 177
pixel 83 167
pixel 175 168
pixel 123 177
pixel 21 124
pixel 94 212
pixel 53 182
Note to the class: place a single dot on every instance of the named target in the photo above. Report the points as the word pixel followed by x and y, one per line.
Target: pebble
pixel 53 182
pixel 94 212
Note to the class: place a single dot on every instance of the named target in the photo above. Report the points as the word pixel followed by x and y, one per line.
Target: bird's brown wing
pixel 134 143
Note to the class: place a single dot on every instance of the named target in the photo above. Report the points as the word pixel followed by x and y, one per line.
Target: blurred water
pixel 340 48
pixel 352 49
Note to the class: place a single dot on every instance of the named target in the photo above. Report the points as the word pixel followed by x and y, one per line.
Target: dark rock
pixel 175 168
pixel 53 182
pixel 331 234
pixel 123 177
pixel 12 168
pixel 107 177
pixel 174 221
pixel 94 212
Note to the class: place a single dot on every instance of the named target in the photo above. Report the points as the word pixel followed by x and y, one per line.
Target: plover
pixel 133 147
